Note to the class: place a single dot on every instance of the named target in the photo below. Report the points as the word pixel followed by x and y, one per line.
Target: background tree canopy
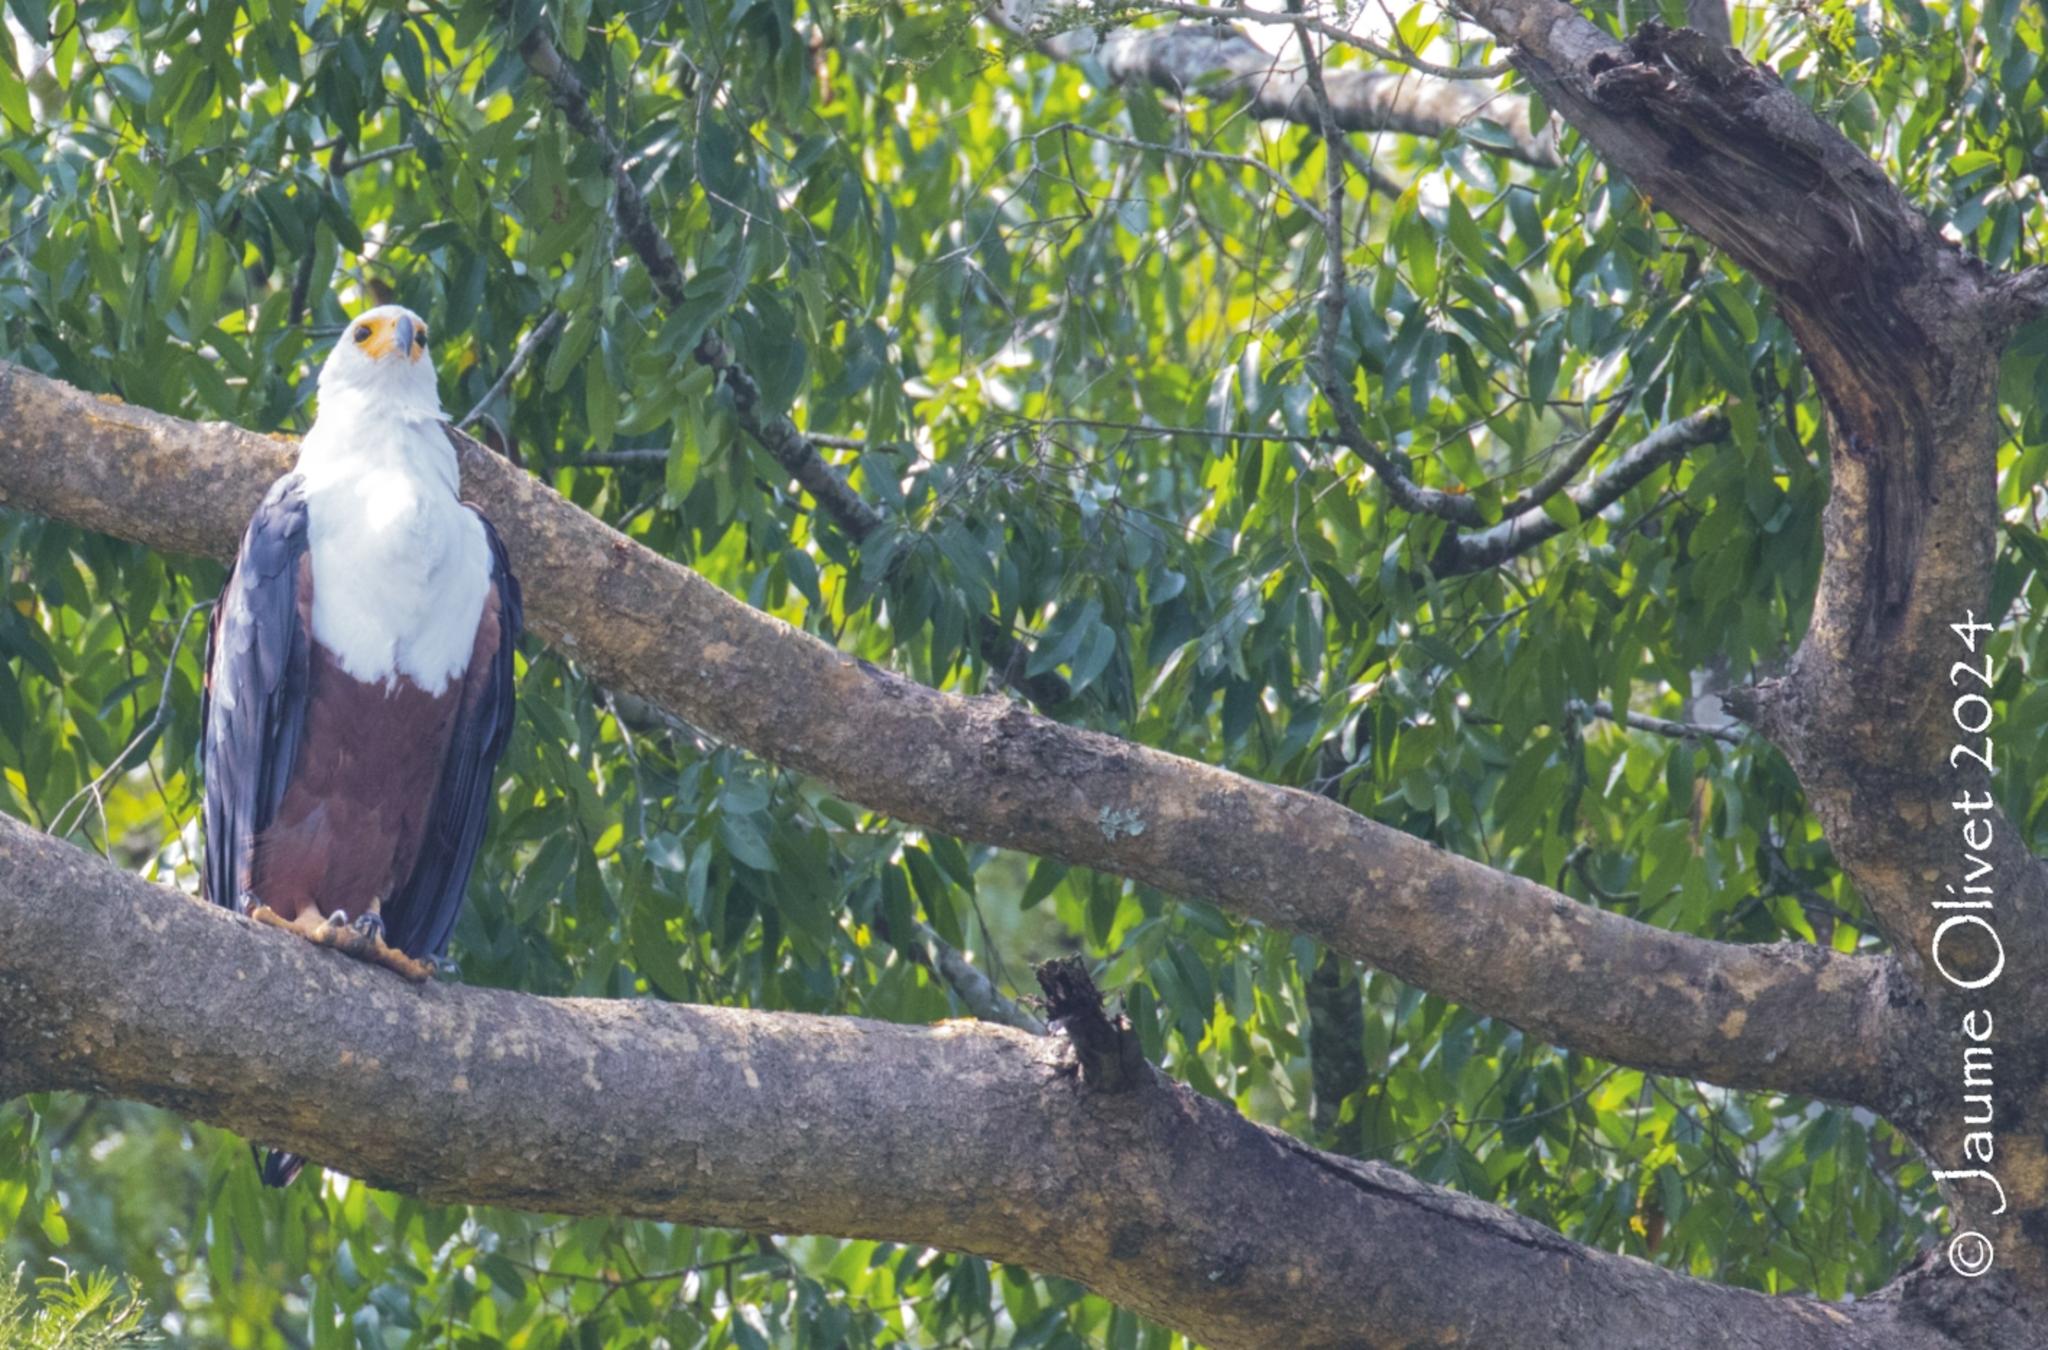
pixel 1057 321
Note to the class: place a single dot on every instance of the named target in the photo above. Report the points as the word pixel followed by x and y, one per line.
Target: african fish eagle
pixel 359 675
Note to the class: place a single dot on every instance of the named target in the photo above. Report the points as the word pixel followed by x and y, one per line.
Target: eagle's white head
pixel 381 360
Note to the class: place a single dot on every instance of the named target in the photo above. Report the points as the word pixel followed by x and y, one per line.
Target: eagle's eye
pixel 363 333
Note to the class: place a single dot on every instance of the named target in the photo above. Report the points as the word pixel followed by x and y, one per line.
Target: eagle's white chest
pixel 401 568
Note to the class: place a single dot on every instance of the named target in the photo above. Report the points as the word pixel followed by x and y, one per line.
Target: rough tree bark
pixel 960 1135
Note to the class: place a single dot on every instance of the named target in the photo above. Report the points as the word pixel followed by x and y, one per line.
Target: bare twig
pixel 541 333
pixel 1550 484
pixel 1520 533
pixel 155 724
pixel 1662 726
pixel 1151 429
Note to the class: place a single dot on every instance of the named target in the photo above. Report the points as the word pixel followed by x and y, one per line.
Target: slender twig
pixel 1258 166
pixel 651 1277
pixel 1579 863
pixel 345 163
pixel 520 355
pixel 155 724
pixel 1550 484
pixel 616 459
pixel 1518 534
pixel 1362 165
pixel 1662 726
pixel 1151 429
pixel 29 222
pixel 855 443
pixel 657 454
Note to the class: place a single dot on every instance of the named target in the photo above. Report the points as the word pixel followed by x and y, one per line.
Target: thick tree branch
pixel 960 1135
pixel 1787 1016
pixel 773 432
pixel 2021 297
pixel 1216 61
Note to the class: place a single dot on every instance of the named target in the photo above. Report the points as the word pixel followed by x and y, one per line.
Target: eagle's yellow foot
pixel 364 940
pixel 262 913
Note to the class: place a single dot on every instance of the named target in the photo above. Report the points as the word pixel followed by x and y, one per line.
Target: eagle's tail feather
pixel 281 1168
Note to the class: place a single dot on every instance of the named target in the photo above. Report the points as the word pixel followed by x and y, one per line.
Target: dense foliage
pixel 1072 372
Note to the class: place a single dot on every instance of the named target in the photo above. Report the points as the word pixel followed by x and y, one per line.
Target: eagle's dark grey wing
pixel 253 712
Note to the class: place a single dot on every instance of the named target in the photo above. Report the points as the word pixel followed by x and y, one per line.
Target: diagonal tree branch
pixel 1788 1016
pixel 540 333
pixel 773 432
pixel 962 1135
pixel 1334 374
pixel 1519 533
pixel 1567 468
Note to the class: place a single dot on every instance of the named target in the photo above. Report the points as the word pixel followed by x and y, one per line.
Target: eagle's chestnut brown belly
pixel 354 813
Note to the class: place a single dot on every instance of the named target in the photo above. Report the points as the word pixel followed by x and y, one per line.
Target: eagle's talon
pixel 363 939
pixel 396 961
pixel 263 913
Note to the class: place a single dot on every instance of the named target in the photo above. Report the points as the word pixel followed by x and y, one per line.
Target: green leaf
pixel 14 107
pixel 742 838
pixel 1560 507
